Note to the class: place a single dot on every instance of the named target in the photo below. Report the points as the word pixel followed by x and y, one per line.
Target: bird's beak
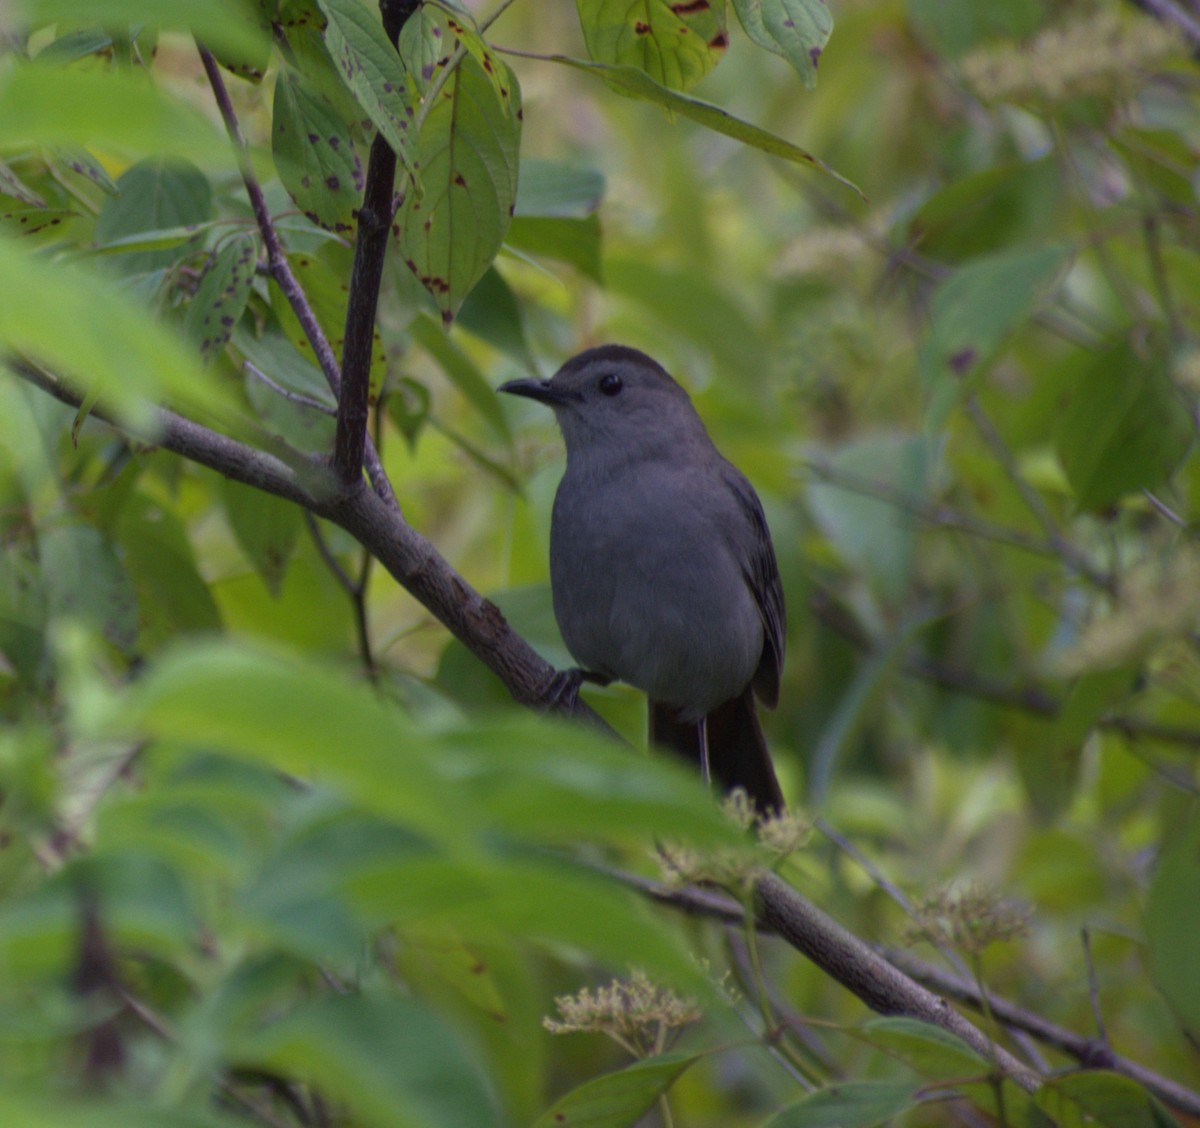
pixel 541 390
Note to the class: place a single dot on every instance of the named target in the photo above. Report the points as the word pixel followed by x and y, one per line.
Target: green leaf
pixel 85 581
pixel 938 1055
pixel 266 529
pixel 26 221
pixel 221 297
pixel 153 240
pixel 637 84
pixel 876 536
pixel 295 716
pixel 553 189
pixel 573 241
pixel 82 163
pixel 388 1059
pixel 31 1111
pixel 974 312
pixel 228 26
pixel 314 153
pixel 933 1052
pixel 371 68
pixel 462 373
pixel 1126 427
pixel 1000 206
pixel 617 1100
pixel 82 327
pixel 322 276
pixel 854 1104
pixel 154 196
pixel 675 44
pixel 1096 1097
pixel 1172 924
pixel 492 312
pixel 450 232
pixel 1048 753
pixel 110 109
pixel 156 552
pixel 796 29
pixel 286 367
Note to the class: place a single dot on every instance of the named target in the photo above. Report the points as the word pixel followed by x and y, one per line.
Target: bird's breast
pixel 648 587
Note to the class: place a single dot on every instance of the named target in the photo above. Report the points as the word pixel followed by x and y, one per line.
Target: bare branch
pixel 1089 1052
pixel 379 527
pixel 366 275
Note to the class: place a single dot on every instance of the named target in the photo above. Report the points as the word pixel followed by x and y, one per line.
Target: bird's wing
pixel 762 574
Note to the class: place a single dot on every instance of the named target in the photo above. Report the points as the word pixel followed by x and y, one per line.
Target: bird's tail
pixel 737 749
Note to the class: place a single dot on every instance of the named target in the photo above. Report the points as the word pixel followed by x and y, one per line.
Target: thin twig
pixel 938 516
pixel 355 590
pixel 1029 698
pixel 1093 985
pixel 1170 12
pixel 291 397
pixel 1070 555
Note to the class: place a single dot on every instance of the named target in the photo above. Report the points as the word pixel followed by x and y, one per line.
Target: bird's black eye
pixel 611 383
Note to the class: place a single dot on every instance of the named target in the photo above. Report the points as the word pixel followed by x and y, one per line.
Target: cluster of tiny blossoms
pixel 634 1012
pixel 737 869
pixel 1101 53
pixel 969 919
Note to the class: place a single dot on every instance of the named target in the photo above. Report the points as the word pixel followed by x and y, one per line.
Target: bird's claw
pixel 562 695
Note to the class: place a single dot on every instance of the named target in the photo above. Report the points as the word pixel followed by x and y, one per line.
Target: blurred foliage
pixel 273 850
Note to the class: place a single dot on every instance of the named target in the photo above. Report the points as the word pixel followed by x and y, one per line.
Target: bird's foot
pixel 562 695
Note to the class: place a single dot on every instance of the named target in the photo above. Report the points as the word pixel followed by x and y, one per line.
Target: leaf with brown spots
pixel 677 43
pixel 222 295
pixel 371 68
pixel 796 29
pixel 314 154
pixel 451 230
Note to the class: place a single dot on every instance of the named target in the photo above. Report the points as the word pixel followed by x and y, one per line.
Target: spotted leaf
pixel 450 231
pixel 314 154
pixel 222 295
pixel 676 43
pixel 371 68
pixel 796 29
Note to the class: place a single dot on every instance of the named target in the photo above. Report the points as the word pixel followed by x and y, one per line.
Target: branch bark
pixel 366 275
pixel 379 527
pixel 824 936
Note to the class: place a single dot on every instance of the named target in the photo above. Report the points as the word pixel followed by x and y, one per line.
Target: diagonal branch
pixel 379 527
pixel 827 936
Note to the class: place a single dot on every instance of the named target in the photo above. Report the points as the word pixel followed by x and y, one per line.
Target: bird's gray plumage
pixel 661 564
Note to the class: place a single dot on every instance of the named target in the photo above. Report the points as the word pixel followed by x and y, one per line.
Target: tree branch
pixel 366 275
pixel 379 527
pixel 882 986
pixel 826 937
pixel 280 268
pixel 1028 697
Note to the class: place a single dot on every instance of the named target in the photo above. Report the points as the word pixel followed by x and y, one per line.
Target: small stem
pixel 1068 553
pixel 292 397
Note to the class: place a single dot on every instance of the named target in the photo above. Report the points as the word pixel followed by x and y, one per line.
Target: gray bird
pixel 661 564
